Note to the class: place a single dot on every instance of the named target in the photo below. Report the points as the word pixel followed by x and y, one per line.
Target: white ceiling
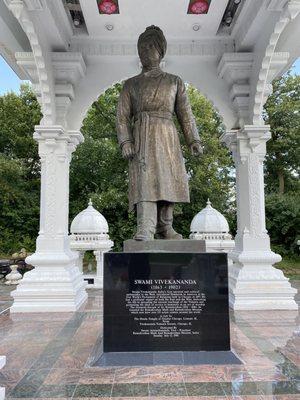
pixel 135 15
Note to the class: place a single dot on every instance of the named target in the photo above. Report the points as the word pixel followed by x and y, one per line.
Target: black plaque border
pixel 109 347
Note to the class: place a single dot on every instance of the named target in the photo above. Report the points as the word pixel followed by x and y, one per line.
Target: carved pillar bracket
pixel 254 282
pixel 56 283
pixel 67 70
pixel 235 69
pixel 272 61
pixel 43 73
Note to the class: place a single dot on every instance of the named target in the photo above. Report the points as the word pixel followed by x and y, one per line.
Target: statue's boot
pixel 164 228
pixel 146 220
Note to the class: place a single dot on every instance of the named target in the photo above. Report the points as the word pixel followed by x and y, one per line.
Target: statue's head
pixel 152 46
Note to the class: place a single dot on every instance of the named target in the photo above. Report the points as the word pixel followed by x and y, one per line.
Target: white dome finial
pixel 208 203
pixel 90 202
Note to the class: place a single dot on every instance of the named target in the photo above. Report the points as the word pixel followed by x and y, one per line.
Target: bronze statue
pixel 149 140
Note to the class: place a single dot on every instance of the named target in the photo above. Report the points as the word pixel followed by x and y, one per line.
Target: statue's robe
pixel 145 113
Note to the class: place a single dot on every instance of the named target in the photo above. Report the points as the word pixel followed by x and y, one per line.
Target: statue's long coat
pixel 145 112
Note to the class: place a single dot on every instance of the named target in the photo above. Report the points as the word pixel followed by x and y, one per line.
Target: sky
pixel 9 81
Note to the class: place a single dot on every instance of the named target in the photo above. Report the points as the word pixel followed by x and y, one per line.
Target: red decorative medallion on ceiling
pixel 108 7
pixel 198 6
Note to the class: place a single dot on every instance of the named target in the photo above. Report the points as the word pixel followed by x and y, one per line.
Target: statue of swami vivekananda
pixel 149 140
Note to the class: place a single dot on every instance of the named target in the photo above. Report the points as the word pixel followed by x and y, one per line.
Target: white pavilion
pixel 73 50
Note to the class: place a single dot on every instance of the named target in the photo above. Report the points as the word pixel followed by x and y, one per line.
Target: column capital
pixel 255 135
pixel 57 132
pixel 51 137
pixel 251 139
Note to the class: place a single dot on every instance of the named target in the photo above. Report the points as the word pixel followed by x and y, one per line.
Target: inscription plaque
pixel 165 302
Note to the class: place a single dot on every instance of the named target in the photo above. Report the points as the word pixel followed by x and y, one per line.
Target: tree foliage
pixel 19 171
pixel 282 112
pixel 283 221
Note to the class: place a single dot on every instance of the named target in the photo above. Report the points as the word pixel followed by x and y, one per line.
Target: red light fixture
pixel 108 7
pixel 198 7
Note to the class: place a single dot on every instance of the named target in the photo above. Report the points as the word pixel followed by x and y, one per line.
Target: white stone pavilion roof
pixel 232 65
pixel 209 220
pixel 89 221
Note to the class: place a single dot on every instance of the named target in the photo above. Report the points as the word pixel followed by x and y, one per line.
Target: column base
pixel 254 284
pixel 56 286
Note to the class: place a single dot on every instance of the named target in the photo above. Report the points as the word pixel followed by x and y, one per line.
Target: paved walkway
pixel 48 356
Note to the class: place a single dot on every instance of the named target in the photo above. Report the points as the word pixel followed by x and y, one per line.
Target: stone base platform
pixel 167 358
pixel 161 246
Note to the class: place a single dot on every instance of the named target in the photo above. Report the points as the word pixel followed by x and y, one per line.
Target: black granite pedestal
pixel 165 306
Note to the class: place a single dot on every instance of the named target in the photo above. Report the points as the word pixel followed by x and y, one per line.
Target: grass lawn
pixel 290 267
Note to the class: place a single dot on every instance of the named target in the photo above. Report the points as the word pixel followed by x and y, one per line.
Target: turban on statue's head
pixel 155 34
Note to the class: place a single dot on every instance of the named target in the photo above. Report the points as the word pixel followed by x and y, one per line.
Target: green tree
pixel 283 150
pixel 19 171
pixel 283 221
pixel 98 170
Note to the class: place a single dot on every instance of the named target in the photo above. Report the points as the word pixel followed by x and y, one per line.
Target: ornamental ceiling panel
pixel 133 16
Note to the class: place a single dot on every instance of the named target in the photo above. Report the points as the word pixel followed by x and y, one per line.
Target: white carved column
pixel 80 260
pixel 254 283
pixel 2 389
pixel 98 281
pixel 99 254
pixel 56 283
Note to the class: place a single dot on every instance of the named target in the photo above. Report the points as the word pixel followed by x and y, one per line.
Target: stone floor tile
pixel 167 389
pixel 58 376
pixel 42 398
pixel 165 398
pixel 164 374
pixel 56 391
pixel 281 387
pixel 208 398
pixel 24 390
pixel 204 389
pixel 199 373
pixel 10 378
pixel 251 397
pixel 69 361
pixel 16 361
pixel 100 376
pixel 94 390
pixel 240 388
pixel 29 384
pixel 131 374
pixel 93 398
pixel 129 398
pixel 130 390
pixel 233 373
pixel 266 374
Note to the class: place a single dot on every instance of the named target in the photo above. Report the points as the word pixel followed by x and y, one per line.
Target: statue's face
pixel 148 54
